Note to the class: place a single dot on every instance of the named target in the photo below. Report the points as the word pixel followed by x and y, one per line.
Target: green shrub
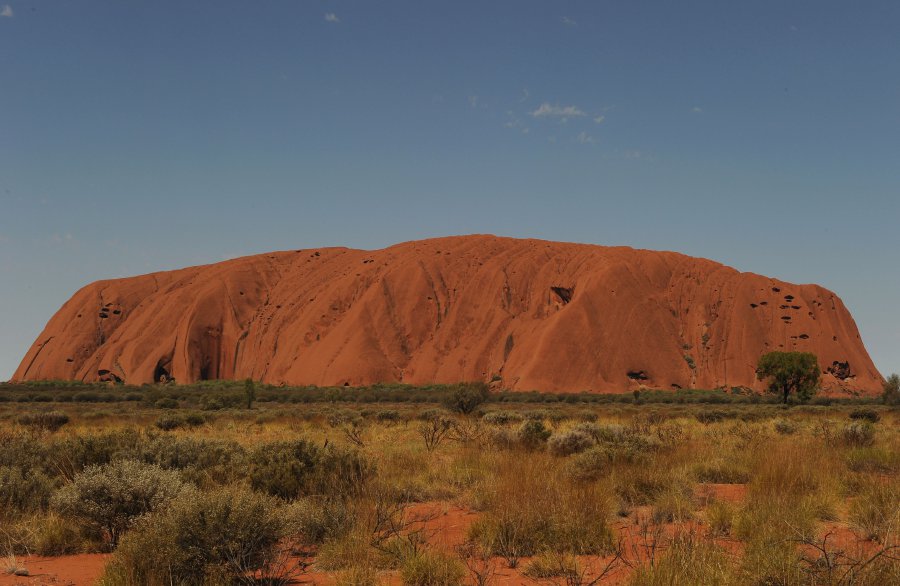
pixel 111 497
pixel 590 465
pixel 23 491
pixel 298 468
pixel 388 416
pixel 44 421
pixel 891 392
pixel 858 434
pixel 219 537
pixel 169 422
pixel 466 397
pixel 569 442
pixel 645 484
pixel 533 434
pixel 317 519
pixel 203 462
pixel 166 403
pixel 865 414
pixel 501 417
pixel 785 426
pixel 194 419
pixel 711 416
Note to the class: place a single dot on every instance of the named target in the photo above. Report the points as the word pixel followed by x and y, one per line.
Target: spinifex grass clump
pixel 531 507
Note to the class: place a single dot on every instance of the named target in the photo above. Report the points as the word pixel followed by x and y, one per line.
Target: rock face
pixel 525 314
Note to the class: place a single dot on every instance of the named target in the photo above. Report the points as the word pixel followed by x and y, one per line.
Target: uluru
pixel 522 314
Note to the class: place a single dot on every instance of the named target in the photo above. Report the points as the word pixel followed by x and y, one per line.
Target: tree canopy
pixel 789 373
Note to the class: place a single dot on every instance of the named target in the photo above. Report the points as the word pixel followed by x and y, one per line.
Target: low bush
pixel 501 417
pixel 166 403
pixel 569 442
pixel 317 519
pixel 169 422
pixel 785 426
pixel 588 466
pixel 865 414
pixel 220 537
pixel 111 497
pixel 858 434
pixel 533 434
pixel 24 490
pixel 298 468
pixel 203 462
pixel 643 485
pixel 44 421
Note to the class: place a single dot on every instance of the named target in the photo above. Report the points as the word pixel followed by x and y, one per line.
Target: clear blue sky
pixel 141 136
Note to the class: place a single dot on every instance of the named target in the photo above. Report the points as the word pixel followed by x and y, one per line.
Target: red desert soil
pixel 69 570
pixel 529 314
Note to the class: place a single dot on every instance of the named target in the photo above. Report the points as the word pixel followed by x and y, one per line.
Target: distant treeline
pixel 226 394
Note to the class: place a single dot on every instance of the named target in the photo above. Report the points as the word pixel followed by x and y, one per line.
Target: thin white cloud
pixel 697 110
pixel 599 119
pixel 525 94
pixel 568 21
pixel 585 138
pixel 331 17
pixel 473 101
pixel 514 122
pixel 557 111
pixel 6 11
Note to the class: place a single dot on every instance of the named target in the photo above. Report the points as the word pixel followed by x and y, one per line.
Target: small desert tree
pixel 466 397
pixel 789 373
pixel 891 394
pixel 249 392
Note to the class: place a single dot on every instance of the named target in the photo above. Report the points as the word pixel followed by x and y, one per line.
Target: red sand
pixel 69 570
pixel 532 314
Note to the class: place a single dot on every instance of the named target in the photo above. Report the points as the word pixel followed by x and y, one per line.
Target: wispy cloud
pixel 557 111
pixel 697 110
pixel 6 11
pixel 473 101
pixel 568 21
pixel 514 122
pixel 331 17
pixel 525 94
pixel 599 119
pixel 585 138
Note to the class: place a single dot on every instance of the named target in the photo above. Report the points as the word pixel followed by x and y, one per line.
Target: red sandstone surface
pixel 527 314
